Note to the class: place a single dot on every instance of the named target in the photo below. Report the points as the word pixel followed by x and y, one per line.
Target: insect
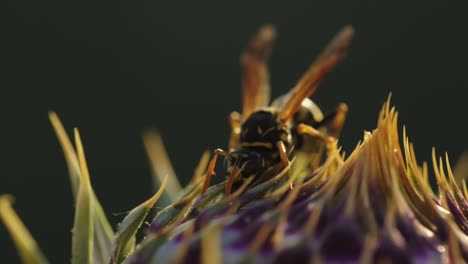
pixel 264 135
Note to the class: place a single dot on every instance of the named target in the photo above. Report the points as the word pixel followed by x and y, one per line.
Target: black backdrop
pixel 113 68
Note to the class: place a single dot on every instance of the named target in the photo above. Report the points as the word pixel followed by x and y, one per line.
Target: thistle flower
pixel 374 206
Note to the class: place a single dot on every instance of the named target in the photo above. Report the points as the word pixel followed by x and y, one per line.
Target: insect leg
pixel 234 173
pixel 334 121
pixel 282 152
pixel 235 121
pixel 309 130
pixel 284 159
pixel 338 121
pixel 211 167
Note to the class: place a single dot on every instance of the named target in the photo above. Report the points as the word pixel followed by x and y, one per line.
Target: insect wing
pixel 306 86
pixel 255 77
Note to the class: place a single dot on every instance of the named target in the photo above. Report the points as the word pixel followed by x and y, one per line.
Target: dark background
pixel 114 68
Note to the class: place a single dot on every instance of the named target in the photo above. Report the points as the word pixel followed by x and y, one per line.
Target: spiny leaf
pixel 27 248
pixel 131 224
pixel 161 165
pixel 68 150
pixel 103 233
pixel 83 231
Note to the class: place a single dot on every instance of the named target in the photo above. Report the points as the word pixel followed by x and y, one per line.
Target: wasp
pixel 266 134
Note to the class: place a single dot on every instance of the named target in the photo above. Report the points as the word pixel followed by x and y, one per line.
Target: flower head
pixel 375 205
